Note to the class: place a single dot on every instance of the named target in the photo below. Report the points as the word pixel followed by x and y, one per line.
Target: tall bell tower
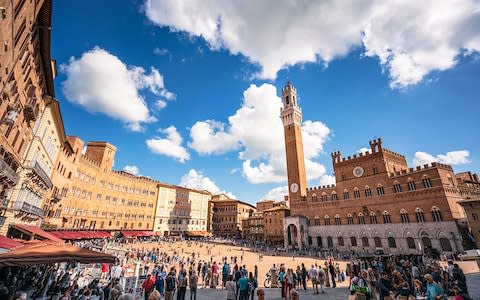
pixel 291 116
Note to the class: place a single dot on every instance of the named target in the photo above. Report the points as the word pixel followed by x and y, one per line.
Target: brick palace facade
pixel 378 201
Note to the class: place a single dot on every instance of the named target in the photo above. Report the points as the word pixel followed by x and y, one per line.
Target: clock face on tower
pixel 294 188
pixel 358 171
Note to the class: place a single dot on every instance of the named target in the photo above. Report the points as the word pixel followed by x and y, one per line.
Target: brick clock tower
pixel 291 116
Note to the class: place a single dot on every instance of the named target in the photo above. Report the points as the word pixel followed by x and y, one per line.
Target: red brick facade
pixel 378 201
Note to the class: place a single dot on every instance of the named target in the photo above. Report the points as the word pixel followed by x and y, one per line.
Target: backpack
pixel 170 283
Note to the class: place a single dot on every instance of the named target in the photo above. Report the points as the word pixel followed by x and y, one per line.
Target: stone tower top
pixel 289 95
pixel 290 113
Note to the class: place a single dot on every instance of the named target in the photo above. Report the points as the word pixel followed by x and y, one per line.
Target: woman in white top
pixel 230 287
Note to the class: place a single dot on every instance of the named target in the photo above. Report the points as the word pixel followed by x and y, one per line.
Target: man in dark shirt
pixel 385 286
pixel 304 277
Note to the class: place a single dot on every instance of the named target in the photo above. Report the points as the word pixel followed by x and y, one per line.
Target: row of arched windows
pixel 372 217
pixel 397 188
pixel 392 243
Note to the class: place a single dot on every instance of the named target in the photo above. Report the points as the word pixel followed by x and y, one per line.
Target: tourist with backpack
pixel 170 285
pixel 182 285
pixel 252 285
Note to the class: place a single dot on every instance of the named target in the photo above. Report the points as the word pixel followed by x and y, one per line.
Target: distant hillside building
pixel 377 202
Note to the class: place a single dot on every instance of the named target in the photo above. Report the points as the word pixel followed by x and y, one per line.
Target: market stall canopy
pixel 34 232
pixel 135 233
pixel 78 235
pixel 6 243
pixel 198 234
pixel 45 253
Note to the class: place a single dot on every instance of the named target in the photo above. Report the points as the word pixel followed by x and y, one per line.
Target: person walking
pixel 170 285
pixel 193 283
pixel 230 286
pixel 252 285
pixel 243 288
pixel 148 286
pixel 304 277
pixel 313 275
pixel 182 285
pixel 331 270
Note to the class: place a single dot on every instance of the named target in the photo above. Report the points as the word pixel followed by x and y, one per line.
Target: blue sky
pixel 189 93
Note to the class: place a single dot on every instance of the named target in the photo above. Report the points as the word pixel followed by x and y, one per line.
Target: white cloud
pixel 101 83
pixel 160 104
pixel 210 137
pixel 196 180
pixel 363 150
pixel 277 193
pixel 459 157
pixel 161 51
pixel 410 38
pixel 257 132
pixel 131 169
pixel 171 145
pixel 327 180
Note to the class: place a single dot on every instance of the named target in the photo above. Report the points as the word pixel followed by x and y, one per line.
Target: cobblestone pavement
pixel 341 293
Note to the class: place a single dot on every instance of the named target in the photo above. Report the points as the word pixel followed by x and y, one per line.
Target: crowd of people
pixel 409 277
pixel 168 271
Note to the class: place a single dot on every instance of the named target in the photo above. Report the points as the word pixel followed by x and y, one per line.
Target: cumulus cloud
pixel 171 145
pixel 459 157
pixel 363 150
pixel 131 169
pixel 100 82
pixel 410 38
pixel 196 180
pixel 277 194
pixel 256 131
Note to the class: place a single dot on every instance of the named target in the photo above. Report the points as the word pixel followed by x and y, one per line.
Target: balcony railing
pixel 35 167
pixel 8 172
pixel 56 198
pixel 28 208
pixel 29 113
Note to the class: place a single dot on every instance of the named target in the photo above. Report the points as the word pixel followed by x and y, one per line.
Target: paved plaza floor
pixel 473 281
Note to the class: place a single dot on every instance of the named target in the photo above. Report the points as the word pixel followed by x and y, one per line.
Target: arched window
pixel 316 221
pixel 410 243
pixel 356 193
pixel 377 241
pixel 380 190
pixel 386 217
pixel 346 195
pixel 373 218
pixel 338 221
pixel 324 196
pixel 365 242
pixel 329 242
pixel 411 184
pixel 436 214
pixel 375 170
pixel 419 215
pixel 353 241
pixel 319 242
pixel 361 218
pixel 427 243
pixel 427 182
pixel 392 243
pixel 334 196
pixel 445 244
pixel 341 242
pixel 314 198
pixel 397 188
pixel 349 219
pixel 404 216
pixel 326 220
pixel 368 191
